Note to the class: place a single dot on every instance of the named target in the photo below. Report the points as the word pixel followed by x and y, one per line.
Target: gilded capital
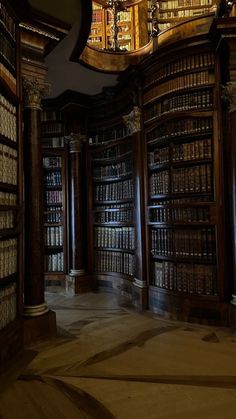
pixel 133 120
pixel 229 95
pixel 33 92
pixel 75 142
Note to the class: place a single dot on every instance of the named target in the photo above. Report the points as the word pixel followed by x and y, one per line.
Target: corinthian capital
pixel 229 95
pixel 133 120
pixel 75 142
pixel 33 92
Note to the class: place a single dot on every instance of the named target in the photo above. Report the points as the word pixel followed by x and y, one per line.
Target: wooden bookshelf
pixel 54 173
pixel 11 300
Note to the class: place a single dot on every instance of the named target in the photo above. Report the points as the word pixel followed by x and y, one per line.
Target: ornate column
pixel 229 96
pixel 34 304
pixel 77 213
pixel 133 124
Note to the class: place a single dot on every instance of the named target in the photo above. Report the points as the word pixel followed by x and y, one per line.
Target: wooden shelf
pixel 113 249
pixel 8 280
pixel 182 138
pixel 181 259
pixel 113 179
pixel 6 141
pixel 8 188
pixel 181 113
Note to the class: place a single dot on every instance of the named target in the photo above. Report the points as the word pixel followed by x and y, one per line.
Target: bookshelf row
pixel 184 243
pixel 113 170
pixel 7 21
pixel 191 62
pixel 185 278
pixel 186 81
pixel 7 198
pixel 53 142
pixel 173 4
pixel 109 135
pixel 8 78
pixel 194 179
pixel 183 127
pixel 114 191
pixel 117 215
pixel 8 125
pixel 53 179
pixel 115 237
pixel 52 162
pixel 8 305
pixel 8 257
pixel 53 236
pixel 53 197
pixel 7 219
pixel 7 51
pixel 184 102
pixel 196 214
pixel 51 115
pixel 51 128
pixel 54 262
pixel 8 165
pixel 178 13
pixel 112 261
pixel 53 215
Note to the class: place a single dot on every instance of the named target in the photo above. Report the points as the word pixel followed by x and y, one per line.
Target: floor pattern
pixel 109 361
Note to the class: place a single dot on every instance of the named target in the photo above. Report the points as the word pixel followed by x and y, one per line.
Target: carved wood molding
pixel 133 120
pixel 229 95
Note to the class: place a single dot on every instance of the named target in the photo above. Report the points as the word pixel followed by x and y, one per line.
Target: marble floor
pixel 109 361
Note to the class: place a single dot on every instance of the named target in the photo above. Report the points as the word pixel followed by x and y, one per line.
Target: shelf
pixel 53 224
pixel 6 141
pixel 181 223
pixel 181 259
pixel 54 211
pixel 120 201
pixel 51 248
pixel 184 294
pixel 108 161
pixel 8 65
pixel 8 92
pixel 7 34
pixel 184 205
pixel 176 139
pixel 181 114
pixel 181 163
pixel 113 179
pixel 57 204
pixel 115 223
pixel 8 232
pixel 8 188
pixel 117 274
pixel 179 194
pixel 112 249
pixel 52 169
pixel 53 188
pixel 8 280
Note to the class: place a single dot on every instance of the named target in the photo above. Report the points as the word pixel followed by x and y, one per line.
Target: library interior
pixel 117 209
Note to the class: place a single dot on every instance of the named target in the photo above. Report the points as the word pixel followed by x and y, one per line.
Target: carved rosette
pixel 229 95
pixel 76 142
pixel 133 120
pixel 33 92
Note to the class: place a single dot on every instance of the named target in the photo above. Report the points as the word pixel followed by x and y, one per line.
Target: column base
pixel 40 327
pixel 34 311
pixel 139 294
pixel 79 284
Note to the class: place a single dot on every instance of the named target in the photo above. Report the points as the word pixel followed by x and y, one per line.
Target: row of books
pixel 7 198
pixel 7 219
pixel 54 216
pixel 53 142
pixel 113 170
pixel 53 179
pixel 6 75
pixel 8 257
pixel 53 197
pixel 51 127
pixel 185 215
pixel 187 243
pixel 7 21
pixel 53 236
pixel 171 14
pixel 189 101
pixel 8 124
pixel 173 4
pixel 95 31
pixel 186 81
pixel 51 116
pixel 117 216
pixel 109 135
pixel 52 162
pixel 192 179
pixel 124 16
pixel 159 183
pixel 8 165
pixel 7 51
pixel 191 62
pixel 182 277
pixel 97 16
pixel 196 150
pixel 109 261
pixel 180 128
pixel 159 155
pixel 113 152
pixel 114 237
pixel 54 262
pixel 94 39
pixel 114 191
pixel 8 304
